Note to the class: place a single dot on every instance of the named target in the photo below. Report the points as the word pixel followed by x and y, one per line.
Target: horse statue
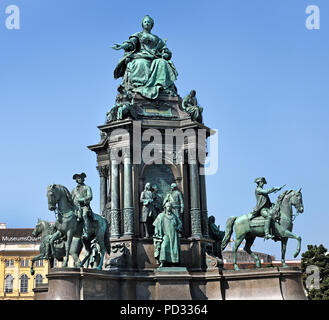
pixel 281 228
pixel 45 230
pixel 67 225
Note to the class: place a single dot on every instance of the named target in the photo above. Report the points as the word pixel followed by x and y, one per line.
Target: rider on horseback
pixel 82 195
pixel 264 206
pixel 48 250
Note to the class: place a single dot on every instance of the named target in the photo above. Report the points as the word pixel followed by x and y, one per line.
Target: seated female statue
pixel 146 67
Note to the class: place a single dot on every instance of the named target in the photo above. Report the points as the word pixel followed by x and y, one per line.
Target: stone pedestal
pixel 137 254
pixel 291 284
pixel 41 292
pixel 263 284
pixel 174 284
pixel 83 284
pixel 64 284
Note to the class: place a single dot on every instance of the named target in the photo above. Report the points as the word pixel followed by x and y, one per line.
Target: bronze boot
pixel 267 228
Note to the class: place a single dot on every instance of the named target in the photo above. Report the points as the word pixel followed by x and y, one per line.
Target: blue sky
pixel 260 75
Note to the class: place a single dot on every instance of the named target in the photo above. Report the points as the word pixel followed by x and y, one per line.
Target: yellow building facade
pixel 17 248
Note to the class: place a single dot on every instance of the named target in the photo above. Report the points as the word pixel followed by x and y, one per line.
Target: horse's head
pixel 297 200
pixel 52 197
pixel 38 229
pixel 59 196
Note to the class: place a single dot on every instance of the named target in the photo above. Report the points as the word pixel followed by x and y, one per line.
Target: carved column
pixel 195 199
pixel 103 174
pixel 128 209
pixel 204 210
pixel 115 199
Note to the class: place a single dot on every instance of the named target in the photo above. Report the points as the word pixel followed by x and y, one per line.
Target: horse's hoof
pixel 284 265
pixel 236 268
pixel 258 265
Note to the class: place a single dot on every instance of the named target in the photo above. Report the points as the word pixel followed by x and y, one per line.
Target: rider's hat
pixel 77 175
pixel 257 180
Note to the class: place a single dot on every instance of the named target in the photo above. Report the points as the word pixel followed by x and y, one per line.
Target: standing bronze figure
pixel 157 200
pixel 167 227
pixel 216 235
pixel 148 210
pixel 175 198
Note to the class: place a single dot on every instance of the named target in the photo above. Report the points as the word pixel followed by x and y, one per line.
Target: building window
pixel 9 263
pixel 24 262
pixel 9 280
pixel 24 283
pixel 39 263
pixel 38 279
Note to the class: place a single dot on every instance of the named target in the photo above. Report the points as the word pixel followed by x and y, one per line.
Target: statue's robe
pixel 166 228
pixel 157 200
pixel 216 235
pixel 143 67
pixel 175 198
pixel 148 207
pixel 190 105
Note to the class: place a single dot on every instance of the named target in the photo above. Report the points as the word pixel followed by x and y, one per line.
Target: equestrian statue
pixel 70 226
pixel 267 220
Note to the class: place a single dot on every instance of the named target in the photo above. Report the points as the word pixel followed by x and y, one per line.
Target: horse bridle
pixel 52 202
pixel 294 216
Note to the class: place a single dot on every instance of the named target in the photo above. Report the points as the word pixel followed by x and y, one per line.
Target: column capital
pixel 103 170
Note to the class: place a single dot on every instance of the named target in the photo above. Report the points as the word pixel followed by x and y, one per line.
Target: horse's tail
pixel 32 269
pixel 228 232
pixel 107 238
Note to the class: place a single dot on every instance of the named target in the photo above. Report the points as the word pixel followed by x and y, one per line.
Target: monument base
pixel 274 283
pixel 172 283
pixel 250 284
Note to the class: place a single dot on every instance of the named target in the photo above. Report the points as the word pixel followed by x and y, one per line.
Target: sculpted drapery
pixel 146 67
pixel 167 226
